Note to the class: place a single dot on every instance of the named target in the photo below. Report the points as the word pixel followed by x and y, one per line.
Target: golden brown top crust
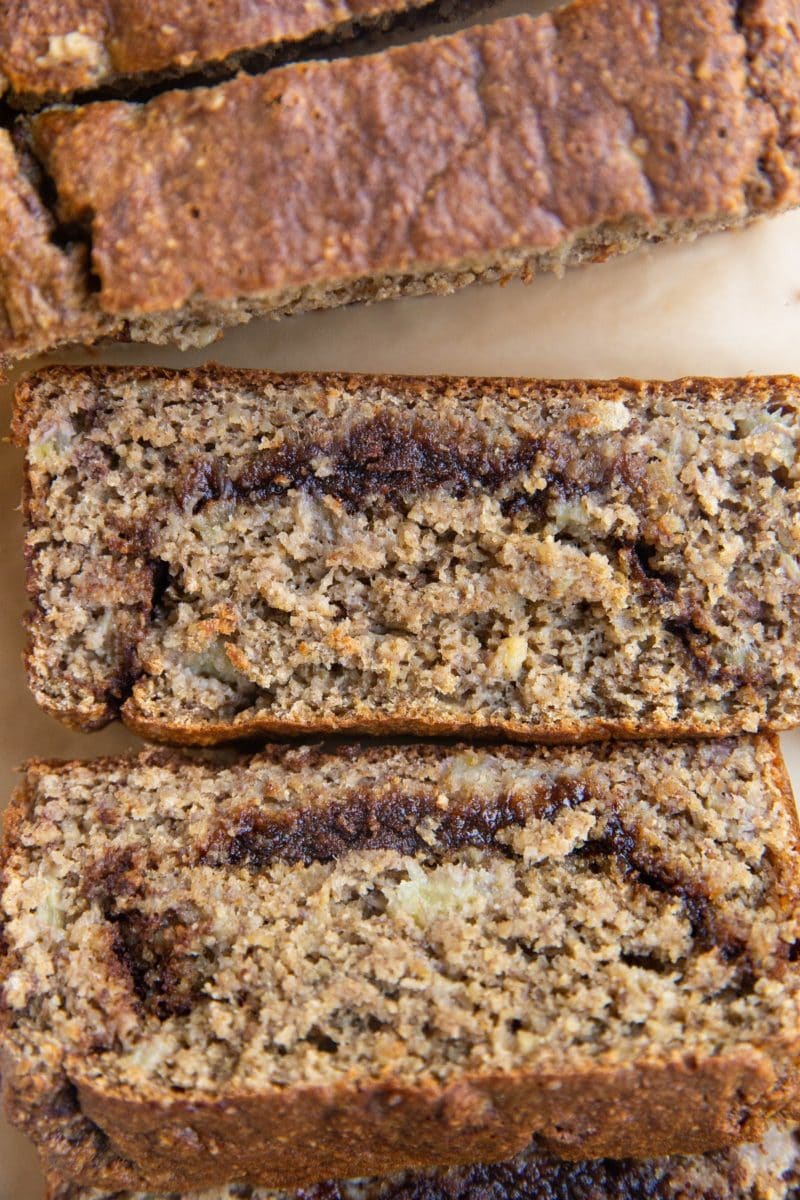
pixel 518 134
pixel 51 48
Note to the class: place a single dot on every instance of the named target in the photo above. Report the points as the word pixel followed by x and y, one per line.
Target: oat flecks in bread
pixel 517 147
pixel 766 1170
pixel 318 964
pixel 51 49
pixel 223 553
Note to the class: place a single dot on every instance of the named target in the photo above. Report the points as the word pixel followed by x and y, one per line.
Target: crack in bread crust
pixel 159 46
pixel 597 92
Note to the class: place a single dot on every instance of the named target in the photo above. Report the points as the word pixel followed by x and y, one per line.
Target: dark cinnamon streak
pixel 156 951
pixel 381 459
pixel 161 953
pixel 366 821
pixel 637 560
pixel 638 864
pixel 385 460
pixel 385 463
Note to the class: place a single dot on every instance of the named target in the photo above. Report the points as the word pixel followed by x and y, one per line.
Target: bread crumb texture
pixel 185 936
pixel 215 553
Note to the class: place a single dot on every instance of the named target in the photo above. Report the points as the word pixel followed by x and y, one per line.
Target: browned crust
pixel 567 733
pixel 626 120
pixel 290 1137
pixel 30 405
pixel 599 110
pixel 14 814
pixel 369 752
pixel 133 43
pixel 43 288
pixel 774 40
pixel 534 1175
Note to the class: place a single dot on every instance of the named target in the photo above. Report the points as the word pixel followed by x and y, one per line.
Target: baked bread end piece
pixel 593 947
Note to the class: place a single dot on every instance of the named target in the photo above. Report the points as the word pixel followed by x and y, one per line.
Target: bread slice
pixel 766 1170
pixel 50 52
pixel 517 147
pixel 218 553
pixel 352 962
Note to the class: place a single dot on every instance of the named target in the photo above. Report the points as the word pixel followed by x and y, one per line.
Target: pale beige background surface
pixel 729 304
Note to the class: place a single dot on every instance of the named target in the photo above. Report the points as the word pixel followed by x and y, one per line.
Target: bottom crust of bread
pixel 765 1170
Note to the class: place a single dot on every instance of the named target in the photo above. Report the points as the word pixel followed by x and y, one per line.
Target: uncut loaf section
pixel 218 553
pixel 766 1170
pixel 306 965
pixel 521 146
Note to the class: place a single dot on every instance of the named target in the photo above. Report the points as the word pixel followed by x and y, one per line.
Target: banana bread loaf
pixel 766 1170
pixel 218 553
pixel 50 49
pixel 352 962
pixel 517 147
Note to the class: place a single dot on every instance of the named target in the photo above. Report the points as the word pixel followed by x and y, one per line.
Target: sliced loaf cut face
pixel 522 146
pixel 216 553
pixel 52 49
pixel 315 964
pixel 765 1170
